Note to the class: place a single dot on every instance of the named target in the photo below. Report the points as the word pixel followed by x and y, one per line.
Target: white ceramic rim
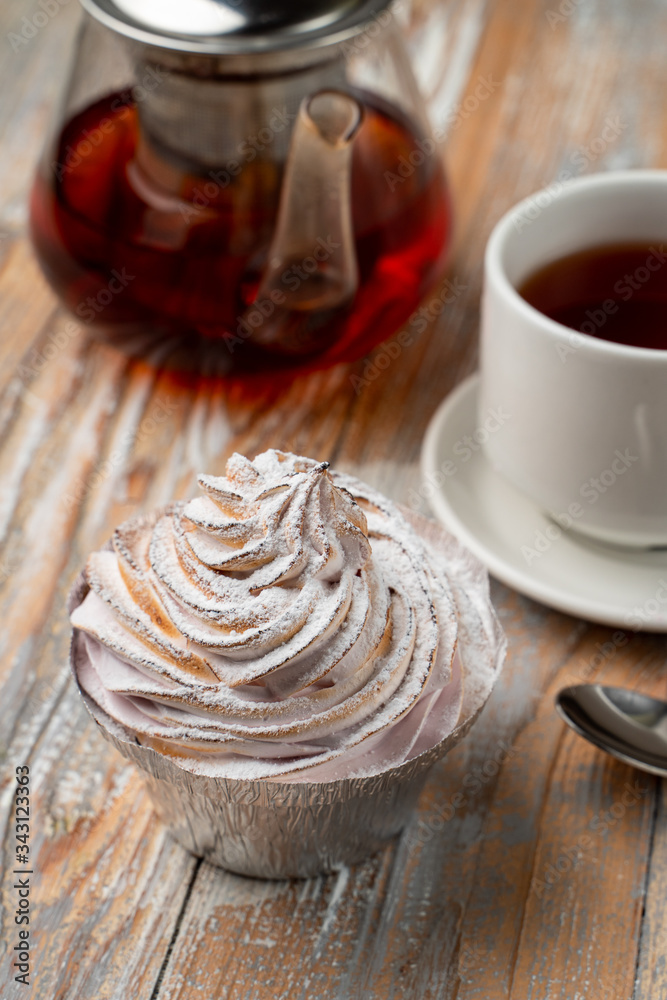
pixel 614 182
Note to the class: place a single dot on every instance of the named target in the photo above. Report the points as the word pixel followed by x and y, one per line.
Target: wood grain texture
pixel 535 868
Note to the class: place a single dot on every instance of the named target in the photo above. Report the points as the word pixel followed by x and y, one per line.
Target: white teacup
pixel 586 435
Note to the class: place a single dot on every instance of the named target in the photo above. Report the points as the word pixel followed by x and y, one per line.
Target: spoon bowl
pixel 626 724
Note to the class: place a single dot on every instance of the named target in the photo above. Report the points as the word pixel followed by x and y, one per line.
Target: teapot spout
pixel 312 262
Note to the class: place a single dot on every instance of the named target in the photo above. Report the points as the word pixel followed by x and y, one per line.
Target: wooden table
pixel 550 880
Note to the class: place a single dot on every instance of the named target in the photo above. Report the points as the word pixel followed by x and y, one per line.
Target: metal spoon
pixel 626 724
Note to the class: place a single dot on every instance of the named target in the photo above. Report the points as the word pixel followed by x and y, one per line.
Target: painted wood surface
pixel 550 879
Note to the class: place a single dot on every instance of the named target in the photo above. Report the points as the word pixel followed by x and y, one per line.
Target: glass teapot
pixel 241 184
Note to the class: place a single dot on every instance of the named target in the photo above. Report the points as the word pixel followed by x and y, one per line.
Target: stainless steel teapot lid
pixel 231 27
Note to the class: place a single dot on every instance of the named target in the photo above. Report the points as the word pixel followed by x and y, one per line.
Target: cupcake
pixel 283 657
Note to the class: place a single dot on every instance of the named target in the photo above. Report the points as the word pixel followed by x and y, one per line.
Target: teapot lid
pixel 229 27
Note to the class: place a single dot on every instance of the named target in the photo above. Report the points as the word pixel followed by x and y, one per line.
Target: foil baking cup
pixel 269 828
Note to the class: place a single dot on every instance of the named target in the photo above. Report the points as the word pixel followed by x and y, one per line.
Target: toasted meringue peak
pixel 287 623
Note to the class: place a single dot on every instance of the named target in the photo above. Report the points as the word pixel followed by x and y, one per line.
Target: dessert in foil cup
pixel 284 658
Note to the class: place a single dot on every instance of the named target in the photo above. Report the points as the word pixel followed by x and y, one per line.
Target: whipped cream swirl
pixel 287 623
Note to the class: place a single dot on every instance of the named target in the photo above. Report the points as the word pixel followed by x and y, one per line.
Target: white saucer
pixel 625 588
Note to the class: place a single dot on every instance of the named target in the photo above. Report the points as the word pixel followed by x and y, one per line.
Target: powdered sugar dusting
pixel 287 623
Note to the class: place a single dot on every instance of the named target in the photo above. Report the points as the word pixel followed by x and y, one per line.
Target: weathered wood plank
pixel 548 820
pixel 108 881
pixel 36 49
pixel 651 978
pixel 22 317
pixel 89 439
